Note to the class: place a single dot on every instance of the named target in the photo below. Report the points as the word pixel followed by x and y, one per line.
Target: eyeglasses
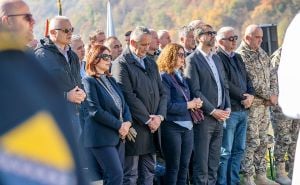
pixel 66 30
pixel 180 55
pixel 210 33
pixel 27 16
pixel 105 57
pixel 231 38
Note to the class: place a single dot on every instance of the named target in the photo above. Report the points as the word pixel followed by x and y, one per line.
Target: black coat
pixel 144 94
pixel 202 82
pixel 66 74
pixel 103 124
pixel 235 92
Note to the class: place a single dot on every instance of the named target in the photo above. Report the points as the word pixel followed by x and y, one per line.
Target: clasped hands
pixel 126 131
pixel 248 101
pixel 196 103
pixel 76 95
pixel 221 115
pixel 273 101
pixel 154 123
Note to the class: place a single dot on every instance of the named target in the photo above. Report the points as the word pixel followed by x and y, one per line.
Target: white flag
pixel 110 29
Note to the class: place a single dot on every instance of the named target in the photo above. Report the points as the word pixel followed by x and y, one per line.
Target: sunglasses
pixel 105 57
pixel 27 16
pixel 231 38
pixel 66 30
pixel 180 55
pixel 210 33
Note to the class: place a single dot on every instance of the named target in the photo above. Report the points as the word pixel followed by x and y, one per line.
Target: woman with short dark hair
pixel 109 117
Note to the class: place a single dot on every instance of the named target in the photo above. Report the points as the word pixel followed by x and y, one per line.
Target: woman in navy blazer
pixel 177 134
pixel 109 117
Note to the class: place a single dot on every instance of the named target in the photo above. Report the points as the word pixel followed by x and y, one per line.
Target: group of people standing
pixel 128 105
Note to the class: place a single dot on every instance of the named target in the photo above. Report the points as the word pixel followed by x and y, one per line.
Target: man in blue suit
pixel 206 78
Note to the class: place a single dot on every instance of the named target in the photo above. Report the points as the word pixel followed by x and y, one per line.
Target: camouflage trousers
pixel 286 134
pixel 257 140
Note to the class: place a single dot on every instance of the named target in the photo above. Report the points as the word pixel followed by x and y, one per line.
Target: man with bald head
pixel 15 16
pixel 55 54
pixel 258 66
pixel 153 51
pixel 164 38
pixel 114 45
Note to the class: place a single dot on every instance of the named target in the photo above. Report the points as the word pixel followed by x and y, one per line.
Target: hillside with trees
pixel 88 15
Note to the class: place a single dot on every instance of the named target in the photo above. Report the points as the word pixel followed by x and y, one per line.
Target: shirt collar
pixel 229 54
pixel 209 55
pixel 62 50
pixel 136 57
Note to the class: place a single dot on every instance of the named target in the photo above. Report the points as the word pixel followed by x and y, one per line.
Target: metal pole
pixel 271 163
pixel 59 7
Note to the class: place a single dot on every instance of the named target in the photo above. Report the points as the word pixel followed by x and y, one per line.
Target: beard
pixel 210 43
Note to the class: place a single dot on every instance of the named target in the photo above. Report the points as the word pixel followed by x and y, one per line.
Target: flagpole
pixel 110 29
pixel 59 7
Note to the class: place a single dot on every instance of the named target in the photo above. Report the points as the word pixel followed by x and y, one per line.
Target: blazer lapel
pixel 203 60
pixel 103 89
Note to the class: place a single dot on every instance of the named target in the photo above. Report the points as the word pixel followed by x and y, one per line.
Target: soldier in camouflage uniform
pixel 258 66
pixel 286 133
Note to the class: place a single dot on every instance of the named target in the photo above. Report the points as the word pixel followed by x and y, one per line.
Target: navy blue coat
pixel 177 105
pixel 103 124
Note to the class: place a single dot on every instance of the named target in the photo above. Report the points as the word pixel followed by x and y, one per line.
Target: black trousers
pixel 207 148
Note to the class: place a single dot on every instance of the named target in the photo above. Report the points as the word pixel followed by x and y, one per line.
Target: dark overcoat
pixel 145 95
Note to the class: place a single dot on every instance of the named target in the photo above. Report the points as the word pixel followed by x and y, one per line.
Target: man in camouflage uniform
pixel 258 66
pixel 286 134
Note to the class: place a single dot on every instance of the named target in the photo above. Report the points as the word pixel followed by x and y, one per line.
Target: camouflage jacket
pixel 260 70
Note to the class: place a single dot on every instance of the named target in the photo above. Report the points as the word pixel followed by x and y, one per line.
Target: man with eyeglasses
pixel 55 54
pixel 15 15
pixel 206 78
pixel 114 45
pixel 241 93
pixel 259 68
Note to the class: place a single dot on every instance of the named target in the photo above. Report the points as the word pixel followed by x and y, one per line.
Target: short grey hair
pixel 137 34
pixel 222 31
pixel 54 20
pixel 184 31
pixel 76 37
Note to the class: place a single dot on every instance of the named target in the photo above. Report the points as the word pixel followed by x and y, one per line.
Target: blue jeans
pixel 177 145
pixel 233 147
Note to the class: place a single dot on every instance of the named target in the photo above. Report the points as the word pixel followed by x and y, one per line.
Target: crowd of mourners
pixel 196 111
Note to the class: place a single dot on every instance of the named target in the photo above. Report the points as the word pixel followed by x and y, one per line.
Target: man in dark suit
pixel 206 78
pixel 141 84
pixel 241 93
